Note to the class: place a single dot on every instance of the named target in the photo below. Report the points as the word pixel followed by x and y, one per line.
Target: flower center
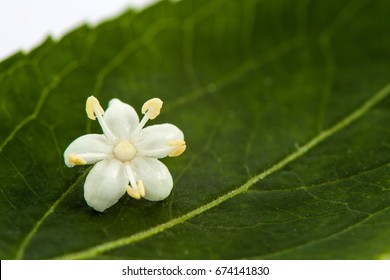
pixel 124 151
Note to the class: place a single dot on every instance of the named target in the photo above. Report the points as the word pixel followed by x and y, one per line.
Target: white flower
pixel 126 155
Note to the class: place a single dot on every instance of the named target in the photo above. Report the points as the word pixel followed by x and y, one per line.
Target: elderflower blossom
pixel 126 154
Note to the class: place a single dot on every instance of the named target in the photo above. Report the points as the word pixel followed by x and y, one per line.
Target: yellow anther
pixel 141 188
pixel 153 107
pixel 137 192
pixel 179 146
pixel 133 193
pixel 76 160
pixel 92 105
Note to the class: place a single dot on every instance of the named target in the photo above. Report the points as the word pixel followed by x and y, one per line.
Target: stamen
pixel 76 160
pixel 135 189
pixel 133 193
pixel 152 107
pixel 93 107
pixel 179 146
pixel 141 188
pixel 94 110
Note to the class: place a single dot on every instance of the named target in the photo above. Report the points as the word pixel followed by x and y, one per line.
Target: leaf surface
pixel 285 110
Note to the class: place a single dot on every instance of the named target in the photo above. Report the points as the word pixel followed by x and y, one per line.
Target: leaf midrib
pixel 322 136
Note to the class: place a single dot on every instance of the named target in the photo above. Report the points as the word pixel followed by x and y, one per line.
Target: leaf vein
pixel 331 181
pixel 45 93
pixel 37 225
pixel 235 74
pixel 188 36
pixel 129 48
pixel 333 235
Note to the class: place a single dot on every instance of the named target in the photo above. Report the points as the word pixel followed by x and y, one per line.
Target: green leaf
pixel 285 110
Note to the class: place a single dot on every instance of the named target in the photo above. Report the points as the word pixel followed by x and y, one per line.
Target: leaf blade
pixel 263 68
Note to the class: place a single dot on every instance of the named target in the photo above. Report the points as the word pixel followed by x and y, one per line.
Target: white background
pixel 24 24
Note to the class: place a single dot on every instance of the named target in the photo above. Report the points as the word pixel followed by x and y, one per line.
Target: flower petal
pixel 90 148
pixel 121 118
pixel 154 175
pixel 105 184
pixel 153 140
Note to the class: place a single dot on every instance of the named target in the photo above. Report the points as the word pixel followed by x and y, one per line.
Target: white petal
pixel 155 176
pixel 153 140
pixel 121 118
pixel 91 148
pixel 105 184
